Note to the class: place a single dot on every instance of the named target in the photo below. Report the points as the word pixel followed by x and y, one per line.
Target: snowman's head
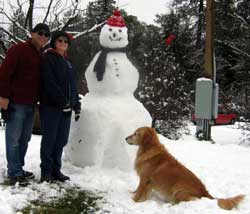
pixel 114 33
pixel 113 36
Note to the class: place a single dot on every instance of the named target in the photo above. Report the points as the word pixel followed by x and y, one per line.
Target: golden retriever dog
pixel 158 170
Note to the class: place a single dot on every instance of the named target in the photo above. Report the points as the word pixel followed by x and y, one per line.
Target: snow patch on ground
pixel 223 167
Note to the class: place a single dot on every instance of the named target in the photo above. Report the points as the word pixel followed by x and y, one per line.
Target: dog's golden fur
pixel 160 171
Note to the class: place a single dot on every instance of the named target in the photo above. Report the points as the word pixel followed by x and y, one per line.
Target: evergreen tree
pixel 98 11
pixel 163 89
pixel 225 35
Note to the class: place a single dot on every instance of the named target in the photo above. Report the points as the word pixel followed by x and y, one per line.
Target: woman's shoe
pixel 28 175
pixel 58 176
pixel 47 178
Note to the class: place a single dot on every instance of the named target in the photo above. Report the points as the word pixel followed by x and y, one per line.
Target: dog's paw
pixel 132 192
pixel 137 199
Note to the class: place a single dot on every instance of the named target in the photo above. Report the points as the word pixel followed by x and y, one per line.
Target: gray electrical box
pixel 215 101
pixel 206 99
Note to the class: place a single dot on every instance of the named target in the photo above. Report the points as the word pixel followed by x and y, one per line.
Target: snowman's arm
pixel 92 63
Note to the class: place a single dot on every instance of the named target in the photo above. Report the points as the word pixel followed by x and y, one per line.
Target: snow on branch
pixel 236 15
pixel 3 46
pixel 15 22
pixel 76 24
pixel 2 57
pixel 237 50
pixel 89 30
pixel 15 38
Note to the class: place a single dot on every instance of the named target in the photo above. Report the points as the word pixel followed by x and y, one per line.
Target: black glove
pixel 77 109
pixel 5 114
pixel 77 115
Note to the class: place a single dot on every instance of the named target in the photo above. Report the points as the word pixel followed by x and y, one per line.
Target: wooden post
pixel 209 46
pixel 204 125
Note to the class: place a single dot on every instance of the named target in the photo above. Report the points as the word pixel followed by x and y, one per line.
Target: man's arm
pixel 7 68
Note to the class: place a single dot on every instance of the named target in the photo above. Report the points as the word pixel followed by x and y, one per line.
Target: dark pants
pixel 55 126
pixel 18 134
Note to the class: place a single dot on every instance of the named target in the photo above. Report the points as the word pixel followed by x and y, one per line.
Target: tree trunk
pixel 200 24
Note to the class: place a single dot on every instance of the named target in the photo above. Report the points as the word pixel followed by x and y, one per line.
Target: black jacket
pixel 59 85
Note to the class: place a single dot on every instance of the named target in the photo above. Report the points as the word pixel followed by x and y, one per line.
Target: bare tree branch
pixel 48 11
pixel 16 39
pixel 29 16
pixel 55 9
pixel 15 22
pixel 3 46
pixel 69 21
pixel 234 48
pixel 76 24
pixel 242 20
pixel 73 15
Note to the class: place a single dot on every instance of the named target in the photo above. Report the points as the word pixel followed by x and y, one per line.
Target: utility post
pixel 209 46
pixel 206 97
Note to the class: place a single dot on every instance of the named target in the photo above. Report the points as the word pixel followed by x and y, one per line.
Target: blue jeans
pixel 17 135
pixel 55 127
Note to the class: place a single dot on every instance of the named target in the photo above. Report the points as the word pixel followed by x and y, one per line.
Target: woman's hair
pixel 58 34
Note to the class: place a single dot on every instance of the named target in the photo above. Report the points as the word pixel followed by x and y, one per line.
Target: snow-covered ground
pixel 224 167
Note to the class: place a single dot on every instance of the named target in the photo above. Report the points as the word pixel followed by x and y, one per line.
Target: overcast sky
pixel 145 10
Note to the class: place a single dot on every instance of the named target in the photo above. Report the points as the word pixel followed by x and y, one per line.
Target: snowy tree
pixel 163 89
pixel 189 23
pixel 233 51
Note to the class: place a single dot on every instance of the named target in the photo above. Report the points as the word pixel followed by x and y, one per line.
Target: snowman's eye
pixel 110 29
pixel 120 30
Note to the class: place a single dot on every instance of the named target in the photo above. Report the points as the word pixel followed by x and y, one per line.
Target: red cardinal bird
pixel 170 39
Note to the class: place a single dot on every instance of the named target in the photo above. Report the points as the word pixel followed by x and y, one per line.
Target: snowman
pixel 110 112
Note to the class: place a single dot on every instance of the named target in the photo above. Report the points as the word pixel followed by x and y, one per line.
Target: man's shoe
pixel 58 176
pixel 28 175
pixel 47 178
pixel 18 180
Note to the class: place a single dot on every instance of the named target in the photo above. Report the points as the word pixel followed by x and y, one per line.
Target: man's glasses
pixel 42 33
pixel 63 41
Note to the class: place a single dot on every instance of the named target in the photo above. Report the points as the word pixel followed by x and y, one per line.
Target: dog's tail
pixel 230 203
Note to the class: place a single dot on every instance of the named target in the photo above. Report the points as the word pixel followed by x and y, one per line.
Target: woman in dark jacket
pixel 59 97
